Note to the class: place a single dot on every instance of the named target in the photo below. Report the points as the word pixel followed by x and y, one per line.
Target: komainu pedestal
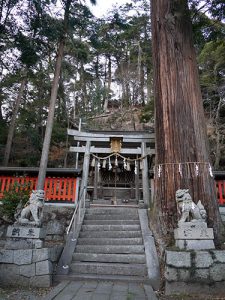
pixel 192 231
pixel 27 231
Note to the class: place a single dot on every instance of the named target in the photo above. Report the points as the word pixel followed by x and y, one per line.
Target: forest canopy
pixel 107 64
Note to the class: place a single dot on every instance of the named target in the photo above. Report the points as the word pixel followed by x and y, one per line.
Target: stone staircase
pixel 110 246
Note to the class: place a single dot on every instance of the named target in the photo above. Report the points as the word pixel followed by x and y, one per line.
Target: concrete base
pixel 194 236
pixel 195 244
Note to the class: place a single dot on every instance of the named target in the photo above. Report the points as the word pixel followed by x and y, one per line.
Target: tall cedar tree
pixel 54 91
pixel 179 120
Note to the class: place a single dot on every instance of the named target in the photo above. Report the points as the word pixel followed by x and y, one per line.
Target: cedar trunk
pixel 52 104
pixel 12 125
pixel 179 119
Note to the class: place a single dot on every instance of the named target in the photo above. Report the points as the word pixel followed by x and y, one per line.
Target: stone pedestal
pixel 194 235
pixel 24 237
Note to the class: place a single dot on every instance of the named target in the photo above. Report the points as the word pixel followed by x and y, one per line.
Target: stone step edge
pixel 119 278
pixel 114 206
pixel 96 257
pixel 108 240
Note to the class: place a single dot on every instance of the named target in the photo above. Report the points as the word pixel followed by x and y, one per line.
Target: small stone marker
pixel 24 237
pixel 25 232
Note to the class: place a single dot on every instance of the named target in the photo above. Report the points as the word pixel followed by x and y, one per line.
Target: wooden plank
pixel 64 192
pixel 107 139
pixel 69 196
pixel 108 150
pixel 59 189
pixel 92 135
pixel 221 191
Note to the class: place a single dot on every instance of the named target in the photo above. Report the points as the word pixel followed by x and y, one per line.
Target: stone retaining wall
pixel 29 267
pixel 56 220
pixel 195 272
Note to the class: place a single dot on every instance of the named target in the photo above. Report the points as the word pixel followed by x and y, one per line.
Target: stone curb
pixel 150 250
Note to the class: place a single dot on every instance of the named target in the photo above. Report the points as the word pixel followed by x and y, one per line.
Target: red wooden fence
pixel 57 189
pixel 220 185
pixel 65 189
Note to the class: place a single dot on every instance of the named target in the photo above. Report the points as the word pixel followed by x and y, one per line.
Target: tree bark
pixel 218 136
pixel 52 104
pixel 105 108
pixel 13 123
pixel 181 142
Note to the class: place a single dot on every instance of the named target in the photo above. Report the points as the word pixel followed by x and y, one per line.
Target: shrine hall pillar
pixel 86 163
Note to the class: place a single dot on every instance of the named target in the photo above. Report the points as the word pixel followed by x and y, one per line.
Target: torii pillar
pixel 145 179
pixel 86 164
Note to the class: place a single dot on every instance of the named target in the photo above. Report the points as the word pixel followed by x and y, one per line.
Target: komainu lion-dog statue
pixel 31 214
pixel 189 211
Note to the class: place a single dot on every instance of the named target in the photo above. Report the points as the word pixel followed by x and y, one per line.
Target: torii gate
pixel 134 143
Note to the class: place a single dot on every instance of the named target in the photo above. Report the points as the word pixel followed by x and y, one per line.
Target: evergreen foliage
pixel 105 60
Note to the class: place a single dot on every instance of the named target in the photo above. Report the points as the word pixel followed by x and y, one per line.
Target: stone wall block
pixel 219 255
pixel 44 267
pixel 55 227
pixel 171 274
pixel 23 257
pixel 55 253
pixel 9 274
pixel 57 238
pixel 203 259
pixel 178 259
pixel 184 275
pixel 41 281
pixel 201 275
pixel 40 254
pixel 27 270
pixel 217 272
pixel 6 256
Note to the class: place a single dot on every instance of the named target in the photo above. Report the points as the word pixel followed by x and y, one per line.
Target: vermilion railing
pixel 56 189
pixel 65 189
pixel 220 185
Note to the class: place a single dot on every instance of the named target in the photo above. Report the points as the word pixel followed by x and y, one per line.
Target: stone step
pixel 118 202
pixel 110 258
pixel 129 249
pixel 110 241
pixel 112 210
pixel 110 227
pixel 97 277
pixel 110 234
pixel 108 269
pixel 111 222
pixel 111 217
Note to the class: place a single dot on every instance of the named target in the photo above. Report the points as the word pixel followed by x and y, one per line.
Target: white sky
pixel 103 6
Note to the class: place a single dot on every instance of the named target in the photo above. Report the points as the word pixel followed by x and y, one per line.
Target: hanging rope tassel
pixel 210 171
pixel 104 164
pixel 135 167
pixel 116 162
pixel 110 165
pixel 99 165
pixel 141 165
pixel 124 164
pixel 159 171
pixel 93 162
pixel 196 170
pixel 128 165
pixel 180 170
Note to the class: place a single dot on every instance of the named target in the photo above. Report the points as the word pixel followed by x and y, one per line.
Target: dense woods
pixel 107 69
